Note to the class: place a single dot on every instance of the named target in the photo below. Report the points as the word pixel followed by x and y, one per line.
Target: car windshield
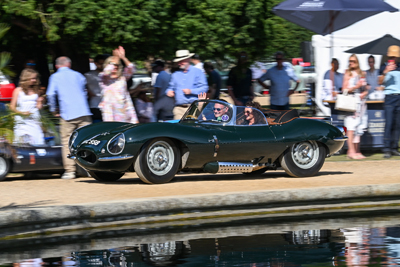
pixel 209 111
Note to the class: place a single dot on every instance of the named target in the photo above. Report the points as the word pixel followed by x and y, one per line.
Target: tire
pixel 162 152
pixel 106 176
pixel 81 172
pixel 257 172
pixel 298 164
pixel 4 168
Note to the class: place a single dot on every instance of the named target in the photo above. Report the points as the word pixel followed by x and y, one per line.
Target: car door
pixel 258 140
pixel 225 141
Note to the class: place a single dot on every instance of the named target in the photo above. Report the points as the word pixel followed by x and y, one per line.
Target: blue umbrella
pixel 326 16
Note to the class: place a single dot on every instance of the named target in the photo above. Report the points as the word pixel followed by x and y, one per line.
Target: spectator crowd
pixel 102 94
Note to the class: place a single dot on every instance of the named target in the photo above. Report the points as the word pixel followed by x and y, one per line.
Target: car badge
pixel 41 152
pixel 225 117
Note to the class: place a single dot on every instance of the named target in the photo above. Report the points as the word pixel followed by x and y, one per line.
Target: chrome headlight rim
pixel 72 139
pixel 114 138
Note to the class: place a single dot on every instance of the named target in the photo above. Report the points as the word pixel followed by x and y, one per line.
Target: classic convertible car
pixel 213 137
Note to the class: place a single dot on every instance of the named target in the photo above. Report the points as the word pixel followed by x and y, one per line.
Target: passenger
pixel 26 103
pixel 252 115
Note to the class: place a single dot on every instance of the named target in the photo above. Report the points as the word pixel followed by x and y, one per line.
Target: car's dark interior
pixel 280 116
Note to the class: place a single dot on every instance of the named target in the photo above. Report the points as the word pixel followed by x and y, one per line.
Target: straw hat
pixel 182 54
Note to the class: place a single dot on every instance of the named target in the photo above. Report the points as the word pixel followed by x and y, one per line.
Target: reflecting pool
pixel 370 241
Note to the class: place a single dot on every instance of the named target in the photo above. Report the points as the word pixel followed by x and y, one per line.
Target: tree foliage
pixel 211 28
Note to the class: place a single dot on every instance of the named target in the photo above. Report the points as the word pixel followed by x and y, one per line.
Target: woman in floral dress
pixel 117 103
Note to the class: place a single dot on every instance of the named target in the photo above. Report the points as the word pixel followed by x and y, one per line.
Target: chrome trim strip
pixel 121 157
pixel 339 139
pixel 71 156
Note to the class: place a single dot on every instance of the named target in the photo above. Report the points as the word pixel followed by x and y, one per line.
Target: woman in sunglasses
pixel 355 122
pixel 117 104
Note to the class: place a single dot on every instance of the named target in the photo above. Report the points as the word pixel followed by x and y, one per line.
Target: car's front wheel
pixel 106 176
pixel 303 159
pixel 158 161
pixel 4 168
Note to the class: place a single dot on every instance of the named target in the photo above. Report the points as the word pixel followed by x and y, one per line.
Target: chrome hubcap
pixel 305 154
pixel 160 158
pixel 3 166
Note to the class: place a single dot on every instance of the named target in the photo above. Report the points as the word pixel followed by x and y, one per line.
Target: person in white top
pixel 26 103
pixel 355 122
pixel 196 61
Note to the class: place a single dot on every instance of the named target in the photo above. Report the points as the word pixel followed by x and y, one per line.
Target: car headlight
pixel 116 144
pixel 72 138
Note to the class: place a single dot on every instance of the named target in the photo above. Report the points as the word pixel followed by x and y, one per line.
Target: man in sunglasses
pixel 280 83
pixel 220 111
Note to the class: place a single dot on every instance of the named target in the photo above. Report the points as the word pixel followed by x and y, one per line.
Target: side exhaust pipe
pixel 233 167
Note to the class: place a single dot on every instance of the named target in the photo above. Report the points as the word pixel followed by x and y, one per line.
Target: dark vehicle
pixel 206 140
pixel 29 159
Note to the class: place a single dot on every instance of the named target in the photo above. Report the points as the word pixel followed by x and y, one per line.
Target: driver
pixel 220 112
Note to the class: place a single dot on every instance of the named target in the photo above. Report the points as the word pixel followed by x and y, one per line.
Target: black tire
pixel 303 159
pixel 257 172
pixel 165 153
pixel 106 176
pixel 81 172
pixel 4 167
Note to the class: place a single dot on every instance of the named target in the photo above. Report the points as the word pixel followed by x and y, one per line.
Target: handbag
pixel 346 102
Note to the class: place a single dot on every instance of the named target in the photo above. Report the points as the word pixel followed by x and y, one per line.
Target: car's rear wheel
pixel 158 161
pixel 106 176
pixel 303 159
pixel 4 168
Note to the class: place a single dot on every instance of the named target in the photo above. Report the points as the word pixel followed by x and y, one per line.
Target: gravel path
pixel 46 191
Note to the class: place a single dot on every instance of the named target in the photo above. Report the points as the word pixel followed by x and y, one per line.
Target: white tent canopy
pixel 357 34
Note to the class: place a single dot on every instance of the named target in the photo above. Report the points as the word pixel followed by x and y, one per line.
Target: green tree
pixel 212 28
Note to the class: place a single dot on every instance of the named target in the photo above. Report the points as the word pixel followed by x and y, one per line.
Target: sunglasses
pixel 352 61
pixel 217 109
pixel 248 112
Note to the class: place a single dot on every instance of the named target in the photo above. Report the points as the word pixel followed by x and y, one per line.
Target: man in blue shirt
pixel 390 78
pixel 280 78
pixel 69 87
pixel 185 84
pixel 335 76
pixel 163 104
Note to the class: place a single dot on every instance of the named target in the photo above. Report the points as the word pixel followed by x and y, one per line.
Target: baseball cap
pixel 393 51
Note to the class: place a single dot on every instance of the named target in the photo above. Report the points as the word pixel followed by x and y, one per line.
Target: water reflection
pixel 347 246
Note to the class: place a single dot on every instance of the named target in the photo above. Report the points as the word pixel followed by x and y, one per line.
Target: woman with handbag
pixel 355 122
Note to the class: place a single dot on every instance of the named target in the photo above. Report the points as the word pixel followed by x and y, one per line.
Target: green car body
pixel 107 150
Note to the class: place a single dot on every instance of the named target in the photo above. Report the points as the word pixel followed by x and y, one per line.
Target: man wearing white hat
pixel 185 84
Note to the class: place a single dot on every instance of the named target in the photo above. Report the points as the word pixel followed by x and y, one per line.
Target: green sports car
pixel 212 137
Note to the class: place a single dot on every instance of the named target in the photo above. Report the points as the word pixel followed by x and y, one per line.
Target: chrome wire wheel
pixel 305 154
pixel 160 158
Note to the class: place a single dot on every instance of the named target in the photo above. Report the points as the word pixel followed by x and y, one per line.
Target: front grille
pixel 87 155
